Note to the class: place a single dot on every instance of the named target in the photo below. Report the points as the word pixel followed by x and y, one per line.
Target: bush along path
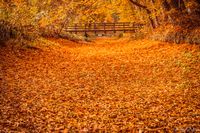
pixel 106 85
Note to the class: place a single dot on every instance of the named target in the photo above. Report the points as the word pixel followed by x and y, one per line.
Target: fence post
pixel 114 28
pixel 134 27
pixel 104 27
pixel 75 28
pixel 124 27
pixel 85 30
pixel 95 31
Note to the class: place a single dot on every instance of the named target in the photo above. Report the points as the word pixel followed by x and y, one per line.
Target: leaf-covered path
pixel 108 85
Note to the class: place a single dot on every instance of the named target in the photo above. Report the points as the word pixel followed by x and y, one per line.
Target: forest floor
pixel 103 85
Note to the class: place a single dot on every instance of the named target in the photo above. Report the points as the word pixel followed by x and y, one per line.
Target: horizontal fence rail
pixel 103 27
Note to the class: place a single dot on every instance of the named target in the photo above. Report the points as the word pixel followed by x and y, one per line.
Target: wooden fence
pixel 103 27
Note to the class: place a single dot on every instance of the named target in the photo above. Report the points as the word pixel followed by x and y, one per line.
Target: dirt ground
pixel 107 85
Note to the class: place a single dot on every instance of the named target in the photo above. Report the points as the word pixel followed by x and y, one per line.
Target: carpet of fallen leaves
pixel 106 85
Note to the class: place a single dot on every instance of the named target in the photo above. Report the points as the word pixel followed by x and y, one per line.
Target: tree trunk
pixel 182 5
pixel 178 4
pixel 165 5
pixel 156 21
pixel 147 10
pixel 174 4
pixel 166 8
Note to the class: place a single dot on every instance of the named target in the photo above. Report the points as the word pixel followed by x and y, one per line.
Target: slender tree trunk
pixel 147 10
pixel 165 5
pixel 182 5
pixel 174 4
pixel 178 4
pixel 165 9
pixel 156 21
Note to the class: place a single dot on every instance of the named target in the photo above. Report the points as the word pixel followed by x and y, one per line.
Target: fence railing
pixel 103 27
